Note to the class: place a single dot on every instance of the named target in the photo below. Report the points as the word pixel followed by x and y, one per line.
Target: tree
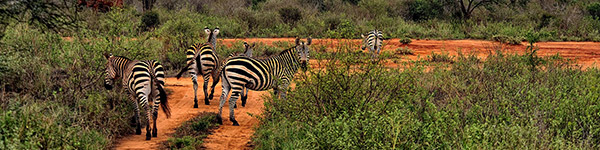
pixel 148 4
pixel 468 6
pixel 45 14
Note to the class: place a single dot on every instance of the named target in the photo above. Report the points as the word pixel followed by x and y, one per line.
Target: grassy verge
pixel 506 101
pixel 191 133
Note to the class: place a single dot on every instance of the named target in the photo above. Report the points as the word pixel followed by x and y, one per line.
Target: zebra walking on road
pixel 373 40
pixel 144 81
pixel 248 49
pixel 201 58
pixel 261 74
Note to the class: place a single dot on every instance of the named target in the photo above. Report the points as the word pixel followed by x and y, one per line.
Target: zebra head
pixel 110 73
pixel 212 36
pixel 302 49
pixel 248 49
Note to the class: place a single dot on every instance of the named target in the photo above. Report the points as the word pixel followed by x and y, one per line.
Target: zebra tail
pixel 164 103
pixel 184 69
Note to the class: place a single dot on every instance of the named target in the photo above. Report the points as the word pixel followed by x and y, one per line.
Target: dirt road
pixel 586 54
pixel 181 102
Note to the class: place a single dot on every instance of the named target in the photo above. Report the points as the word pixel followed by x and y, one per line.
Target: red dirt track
pixel 586 54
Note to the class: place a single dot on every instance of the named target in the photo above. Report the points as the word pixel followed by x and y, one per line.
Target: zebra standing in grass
pixel 144 81
pixel 208 64
pixel 261 74
pixel 373 41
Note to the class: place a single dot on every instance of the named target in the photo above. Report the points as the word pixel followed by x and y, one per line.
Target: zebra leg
pixel 155 113
pixel 195 81
pixel 205 86
pixel 284 88
pixel 214 84
pixel 138 128
pixel 224 94
pixel 234 96
pixel 154 117
pixel 148 122
pixel 244 96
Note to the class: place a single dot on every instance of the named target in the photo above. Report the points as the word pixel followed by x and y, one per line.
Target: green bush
pixel 507 40
pixel 290 15
pixel 189 135
pixel 404 51
pixel 594 10
pixel 150 20
pixel 405 40
pixel 459 106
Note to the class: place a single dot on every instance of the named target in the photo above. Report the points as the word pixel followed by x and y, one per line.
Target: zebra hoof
pixel 219 120
pixel 148 136
pixel 210 97
pixel 206 103
pixel 138 131
pixel 235 123
pixel 235 106
pixel 196 105
pixel 154 134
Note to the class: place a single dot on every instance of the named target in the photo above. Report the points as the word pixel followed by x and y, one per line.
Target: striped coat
pixel 373 40
pixel 201 58
pixel 261 74
pixel 145 81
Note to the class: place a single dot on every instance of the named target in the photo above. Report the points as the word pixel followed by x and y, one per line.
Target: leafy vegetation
pixel 190 134
pixel 501 102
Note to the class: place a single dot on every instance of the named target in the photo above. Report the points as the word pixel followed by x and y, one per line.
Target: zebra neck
pixel 286 61
pixel 121 65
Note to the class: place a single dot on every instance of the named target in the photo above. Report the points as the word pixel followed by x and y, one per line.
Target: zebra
pixel 248 49
pixel 373 41
pixel 209 61
pixel 144 81
pixel 261 74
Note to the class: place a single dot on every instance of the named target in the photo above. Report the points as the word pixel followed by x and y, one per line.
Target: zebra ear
pixel 362 35
pixel 107 55
pixel 216 31
pixel 308 41
pixel 207 30
pixel 297 41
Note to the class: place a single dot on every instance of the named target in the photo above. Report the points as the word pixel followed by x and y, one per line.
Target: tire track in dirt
pixel 181 103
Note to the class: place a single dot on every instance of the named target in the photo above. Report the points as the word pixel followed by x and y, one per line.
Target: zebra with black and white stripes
pixel 373 40
pixel 201 58
pixel 248 49
pixel 144 81
pixel 261 74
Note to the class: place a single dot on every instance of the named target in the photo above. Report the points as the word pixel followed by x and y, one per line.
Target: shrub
pixel 422 10
pixel 290 15
pixel 404 51
pixel 405 40
pixel 150 20
pixel 459 106
pixel 190 134
pixel 443 57
pixel 594 10
pixel 507 39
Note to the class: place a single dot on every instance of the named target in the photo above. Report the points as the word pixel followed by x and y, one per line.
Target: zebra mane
pixel 286 50
pixel 123 57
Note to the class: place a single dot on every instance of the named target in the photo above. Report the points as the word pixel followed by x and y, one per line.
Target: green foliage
pixel 594 9
pixel 471 104
pixel 404 51
pixel 443 57
pixel 190 134
pixel 290 15
pixel 422 10
pixel 150 19
pixel 507 39
pixel 405 40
